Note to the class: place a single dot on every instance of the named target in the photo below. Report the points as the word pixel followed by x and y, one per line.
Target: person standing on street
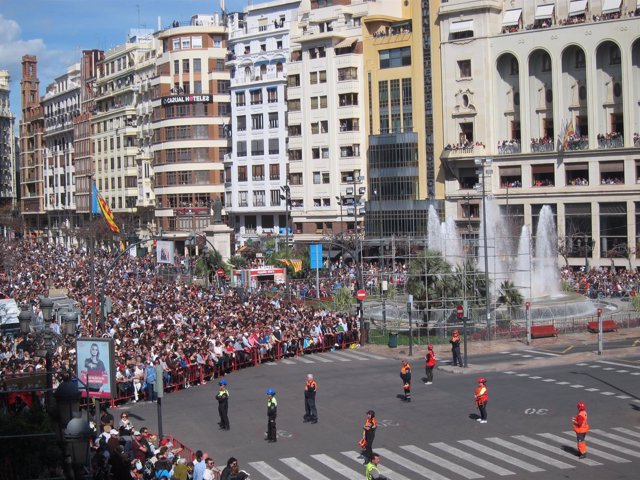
pixel 223 405
pixel 272 413
pixel 455 349
pixel 429 364
pixel 405 375
pixel 310 411
pixel 581 427
pixel 372 472
pixel 482 397
pixel 368 435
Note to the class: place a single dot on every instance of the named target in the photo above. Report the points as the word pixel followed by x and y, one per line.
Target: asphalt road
pixel 436 436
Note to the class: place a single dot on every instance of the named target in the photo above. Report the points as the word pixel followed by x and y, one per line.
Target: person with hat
pixel 481 396
pixel 455 349
pixel 429 364
pixel 272 413
pixel 405 375
pixel 581 427
pixel 310 411
pixel 223 405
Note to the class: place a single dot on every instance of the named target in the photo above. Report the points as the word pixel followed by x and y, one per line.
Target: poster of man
pixel 165 251
pixel 95 367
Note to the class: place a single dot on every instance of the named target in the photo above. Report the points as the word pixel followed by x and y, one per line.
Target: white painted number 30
pixel 536 411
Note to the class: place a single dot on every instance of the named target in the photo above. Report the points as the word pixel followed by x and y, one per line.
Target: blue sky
pixel 56 31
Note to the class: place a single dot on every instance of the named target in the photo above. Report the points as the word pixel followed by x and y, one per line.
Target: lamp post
pixel 287 199
pixel 482 163
pixel 356 199
pixel 340 201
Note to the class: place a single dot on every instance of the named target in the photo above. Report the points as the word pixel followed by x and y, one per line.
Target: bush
pixel 635 303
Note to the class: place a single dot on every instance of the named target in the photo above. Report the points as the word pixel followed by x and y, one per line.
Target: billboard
pixel 165 251
pixel 96 367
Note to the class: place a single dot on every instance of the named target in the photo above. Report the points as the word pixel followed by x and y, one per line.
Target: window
pixel 274 171
pixel 219 65
pixel 394 87
pixel 242 173
pixel 464 68
pixel 316 178
pixel 185 66
pixel 176 67
pixel 196 42
pixel 257 173
pixel 217 41
pixel 347 73
pixel 295 178
pixel 313 78
pixel 614 56
pixel 580 60
pixel 348 151
pixel 546 63
pixel 176 44
pixel 466 132
pixel 348 99
pixel 241 149
pixel 223 86
pixel 295 130
pixel 242 199
pixel 256 97
pixel 295 154
pixel 197 87
pixel 314 103
pixel 293 105
pixel 275 198
pixel 326 178
pixel 185 42
pixel 273 120
pixel 322 76
pixel 293 81
pixel 350 125
pixel 240 100
pixel 395 57
pixel 257 121
pixel 274 146
pixel 272 95
pixel 257 147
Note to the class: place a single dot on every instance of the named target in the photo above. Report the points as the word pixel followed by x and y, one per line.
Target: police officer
pixel 310 389
pixel 455 349
pixel 272 413
pixel 223 405
pixel 372 472
pixel 405 375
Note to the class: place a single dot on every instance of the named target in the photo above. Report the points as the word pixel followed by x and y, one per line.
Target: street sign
pixel 460 311
pixel 92 301
pixel 528 305
pixel 220 272
pixel 599 311
pixel 315 255
pixel 361 295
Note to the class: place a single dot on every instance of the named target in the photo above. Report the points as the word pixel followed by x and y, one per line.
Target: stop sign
pixel 460 311
pixel 220 272
pixel 91 301
pixel 361 295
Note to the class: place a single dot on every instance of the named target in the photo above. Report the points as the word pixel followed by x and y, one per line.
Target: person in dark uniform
pixel 310 411
pixel 223 405
pixel 455 349
pixel 272 413
pixel 405 375
pixel 368 435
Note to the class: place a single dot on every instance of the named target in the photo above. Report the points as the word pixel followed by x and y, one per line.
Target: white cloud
pixel 12 47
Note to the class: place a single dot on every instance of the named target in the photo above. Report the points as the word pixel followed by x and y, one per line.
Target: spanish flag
pixel 100 206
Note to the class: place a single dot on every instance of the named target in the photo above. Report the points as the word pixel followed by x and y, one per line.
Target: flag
pixel 561 135
pixel 568 133
pixel 103 208
pixel 296 264
pixel 284 260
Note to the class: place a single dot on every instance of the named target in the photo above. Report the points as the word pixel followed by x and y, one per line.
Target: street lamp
pixel 287 198
pixel 340 202
pixel 77 436
pixel 482 163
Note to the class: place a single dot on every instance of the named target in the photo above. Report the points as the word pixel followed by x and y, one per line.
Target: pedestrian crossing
pixel 489 457
pixel 336 356
pixel 612 367
pixel 577 386
pixel 531 354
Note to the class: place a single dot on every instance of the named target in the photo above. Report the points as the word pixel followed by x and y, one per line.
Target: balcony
pixel 509 147
pixel 242 79
pixel 610 140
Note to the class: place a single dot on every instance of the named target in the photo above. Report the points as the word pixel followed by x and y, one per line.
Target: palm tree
pixel 431 279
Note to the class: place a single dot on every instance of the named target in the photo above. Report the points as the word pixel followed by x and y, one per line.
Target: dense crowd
pixel 603 282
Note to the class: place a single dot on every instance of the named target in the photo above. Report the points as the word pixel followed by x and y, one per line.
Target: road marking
pixel 568 349
pixel 591 389
pixel 582 364
pixel 527 356
pixel 323 358
pixel 504 353
pixel 383 470
pixel 618 438
pixel 268 471
pixel 419 469
pixel 556 450
pixel 594 366
pixel 549 380
pixel 608 394
pixel 370 355
pixel 538 352
pixel 527 453
pixel 501 456
pixel 612 446
pixel 592 451
pixel 623 397
pixel 618 364
pixel 622 371
pixel 303 469
pixel 577 386
pixel 627 431
pixel 475 460
pixel 635 373
pixel 562 383
pixel 608 369
pixel 304 360
pixel 522 375
pixel 535 378
pixel 515 354
pixel 350 356
pixel 288 362
pixel 509 373
pixel 338 467
pixel 430 457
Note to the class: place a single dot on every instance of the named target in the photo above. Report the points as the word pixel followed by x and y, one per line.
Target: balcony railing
pixel 613 140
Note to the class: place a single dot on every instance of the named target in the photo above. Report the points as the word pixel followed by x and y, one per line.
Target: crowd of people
pixel 602 281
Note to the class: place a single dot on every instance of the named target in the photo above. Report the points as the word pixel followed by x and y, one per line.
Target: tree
pixel 208 263
pixel 343 300
pixel 431 280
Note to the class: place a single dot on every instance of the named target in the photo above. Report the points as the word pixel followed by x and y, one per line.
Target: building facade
pixel 547 91
pixel 256 167
pixel 191 117
pixel 7 146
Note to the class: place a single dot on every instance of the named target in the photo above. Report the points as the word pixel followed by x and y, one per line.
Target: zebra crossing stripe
pixel 577 386
pixel 303 469
pixel 556 450
pixel 592 451
pixel 473 459
pixel 419 469
pixel 304 360
pixel 501 456
pixel 622 371
pixel 535 378
pixel 441 462
pixel 322 358
pixel 334 356
pixel 527 452
pixel 266 470
pixel 604 443
pixel 522 375
pixel 368 354
pixel 287 361
pixel 615 437
pixel 337 466
pixel 627 431
pixel 383 470
pixel 591 389
pixel 349 355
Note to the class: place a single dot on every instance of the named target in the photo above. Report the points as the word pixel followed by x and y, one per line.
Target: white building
pixel 7 144
pixel 256 168
pixel 515 75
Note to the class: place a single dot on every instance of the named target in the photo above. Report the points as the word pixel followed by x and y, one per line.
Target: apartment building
pixel 31 148
pixel 7 146
pixel 121 129
pixel 256 168
pixel 326 115
pixel 191 118
pixel 60 105
pixel 548 91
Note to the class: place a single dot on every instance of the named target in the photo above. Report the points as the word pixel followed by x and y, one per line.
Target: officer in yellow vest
pixel 272 413
pixel 372 472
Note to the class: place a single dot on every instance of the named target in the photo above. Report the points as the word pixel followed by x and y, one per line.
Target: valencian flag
pixel 295 263
pixel 100 206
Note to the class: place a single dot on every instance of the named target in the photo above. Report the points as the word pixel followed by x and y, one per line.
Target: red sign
pixel 92 301
pixel 599 311
pixel 460 311
pixel 361 295
pixel 528 305
pixel 220 272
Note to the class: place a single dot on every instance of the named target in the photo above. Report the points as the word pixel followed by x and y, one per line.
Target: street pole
pixel 384 304
pixel 287 198
pixel 409 310
pixel 482 163
pixel 464 339
pixel 528 320
pixel 600 331
pixel 160 393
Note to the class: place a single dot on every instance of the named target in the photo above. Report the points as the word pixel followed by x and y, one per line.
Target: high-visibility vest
pixel 369 471
pixel 430 359
pixel 405 369
pixel 482 395
pixel 580 424
pixel 370 424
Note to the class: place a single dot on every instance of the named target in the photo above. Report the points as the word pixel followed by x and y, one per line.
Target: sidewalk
pixel 479 348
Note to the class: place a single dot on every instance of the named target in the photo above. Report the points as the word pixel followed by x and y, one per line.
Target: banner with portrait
pixel 95 367
pixel 165 251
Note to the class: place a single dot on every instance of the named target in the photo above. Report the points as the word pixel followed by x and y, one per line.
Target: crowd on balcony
pixel 509 146
pixel 543 182
pixel 636 140
pixel 466 145
pixel 579 182
pixel 511 184
pixel 612 181
pixel 542 144
pixel 610 140
pixel 577 142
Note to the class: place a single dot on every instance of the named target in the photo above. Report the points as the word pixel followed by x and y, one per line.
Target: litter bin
pixel 393 340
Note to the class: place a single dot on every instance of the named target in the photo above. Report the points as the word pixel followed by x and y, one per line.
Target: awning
pixel 577 7
pixel 512 17
pixel 573 167
pixel 611 6
pixel 611 167
pixel 544 12
pixel 464 26
pixel 510 171
pixel 542 168
pixel 346 43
